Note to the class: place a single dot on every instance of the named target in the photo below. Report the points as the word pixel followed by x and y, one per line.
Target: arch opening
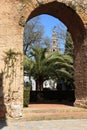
pixel 56 93
pixel 76 27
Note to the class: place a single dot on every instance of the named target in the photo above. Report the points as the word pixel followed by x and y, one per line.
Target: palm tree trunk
pixel 39 88
pixel 39 84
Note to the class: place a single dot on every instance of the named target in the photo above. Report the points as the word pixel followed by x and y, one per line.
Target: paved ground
pixel 53 111
pixel 77 124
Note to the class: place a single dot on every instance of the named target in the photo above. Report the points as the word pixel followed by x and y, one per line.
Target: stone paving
pixel 73 124
pixel 53 112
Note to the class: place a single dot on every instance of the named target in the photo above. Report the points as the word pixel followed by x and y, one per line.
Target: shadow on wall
pixel 2 105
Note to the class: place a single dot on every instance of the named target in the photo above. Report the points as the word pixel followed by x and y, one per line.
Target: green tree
pixel 42 66
pixel 69 50
pixel 37 66
pixel 69 47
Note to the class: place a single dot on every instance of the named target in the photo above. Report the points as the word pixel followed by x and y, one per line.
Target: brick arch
pixel 66 14
pixel 76 27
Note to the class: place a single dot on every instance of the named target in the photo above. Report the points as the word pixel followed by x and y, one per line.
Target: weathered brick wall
pixel 13 16
pixel 11 37
pixel 80 6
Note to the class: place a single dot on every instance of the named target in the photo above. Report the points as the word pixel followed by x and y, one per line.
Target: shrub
pixel 26 96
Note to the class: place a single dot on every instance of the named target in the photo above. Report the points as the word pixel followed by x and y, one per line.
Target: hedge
pixel 26 97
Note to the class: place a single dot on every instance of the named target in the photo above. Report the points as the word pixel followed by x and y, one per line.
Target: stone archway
pixel 69 16
pixel 13 16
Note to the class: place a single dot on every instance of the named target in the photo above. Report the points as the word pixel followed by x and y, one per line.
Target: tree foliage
pixel 69 47
pixel 69 50
pixel 42 66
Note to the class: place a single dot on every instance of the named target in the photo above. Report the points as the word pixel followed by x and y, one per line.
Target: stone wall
pixel 13 16
pixel 79 6
pixel 11 37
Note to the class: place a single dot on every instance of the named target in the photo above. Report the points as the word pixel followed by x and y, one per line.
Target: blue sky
pixel 49 22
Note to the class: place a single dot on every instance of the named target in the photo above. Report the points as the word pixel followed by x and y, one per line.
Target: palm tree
pixel 38 66
pixel 42 66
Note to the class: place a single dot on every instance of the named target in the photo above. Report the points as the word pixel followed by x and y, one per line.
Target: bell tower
pixel 55 46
